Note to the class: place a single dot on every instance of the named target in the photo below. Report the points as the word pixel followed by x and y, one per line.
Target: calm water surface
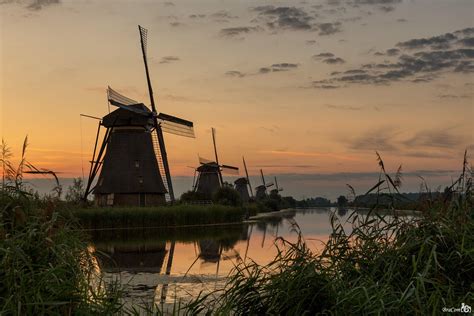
pixel 162 265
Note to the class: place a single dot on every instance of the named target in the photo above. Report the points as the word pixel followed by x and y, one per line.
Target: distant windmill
pixel 209 178
pixel 132 158
pixel 261 190
pixel 243 184
pixel 277 188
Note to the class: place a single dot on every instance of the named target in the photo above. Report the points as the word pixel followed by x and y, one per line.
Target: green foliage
pixel 162 216
pixel 227 195
pixel 192 196
pixel 75 192
pixel 45 267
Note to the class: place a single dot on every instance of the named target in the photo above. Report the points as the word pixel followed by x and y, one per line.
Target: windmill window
pixel 140 180
pixel 110 199
pixel 101 180
pixel 137 164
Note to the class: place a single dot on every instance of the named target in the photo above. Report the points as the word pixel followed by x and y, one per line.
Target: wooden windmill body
pixel 261 190
pixel 209 177
pixel 242 185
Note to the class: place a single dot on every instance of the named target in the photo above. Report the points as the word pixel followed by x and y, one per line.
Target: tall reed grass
pixel 45 266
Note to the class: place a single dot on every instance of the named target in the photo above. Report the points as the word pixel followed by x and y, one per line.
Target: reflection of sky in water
pixel 203 264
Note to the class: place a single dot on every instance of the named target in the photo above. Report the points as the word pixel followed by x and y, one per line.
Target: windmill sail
pixel 204 160
pixel 115 97
pixel 175 125
pixel 230 169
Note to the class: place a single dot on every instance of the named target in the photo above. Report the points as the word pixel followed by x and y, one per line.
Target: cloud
pixel 379 139
pixel 235 74
pixel 333 61
pixel 378 2
pixel 434 139
pixel 281 18
pixel 454 96
pixel 402 20
pixel 386 9
pixel 323 55
pixel 197 16
pixel 329 28
pixel 40 4
pixel 424 65
pixel 311 42
pixel 169 59
pixel 328 58
pixel 392 52
pixel 175 24
pixel 343 107
pixel 436 42
pixel 223 15
pixel 235 32
pixel 467 42
pixel 33 5
pixel 168 4
pixel 278 67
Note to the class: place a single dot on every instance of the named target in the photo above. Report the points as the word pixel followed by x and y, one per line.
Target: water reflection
pixel 161 265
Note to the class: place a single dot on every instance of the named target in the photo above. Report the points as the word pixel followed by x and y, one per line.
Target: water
pixel 164 265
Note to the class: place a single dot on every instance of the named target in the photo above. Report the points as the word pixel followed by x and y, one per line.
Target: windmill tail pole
pixel 263 179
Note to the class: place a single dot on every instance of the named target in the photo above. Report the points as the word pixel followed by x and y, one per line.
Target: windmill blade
pixel 203 161
pixel 113 95
pixel 269 185
pixel 125 103
pixel 175 125
pixel 229 169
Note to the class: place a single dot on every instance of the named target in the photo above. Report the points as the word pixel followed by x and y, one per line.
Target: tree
pixel 75 192
pixel 341 201
pixel 227 196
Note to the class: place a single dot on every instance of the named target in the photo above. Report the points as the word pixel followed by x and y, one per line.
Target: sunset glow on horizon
pixel 297 87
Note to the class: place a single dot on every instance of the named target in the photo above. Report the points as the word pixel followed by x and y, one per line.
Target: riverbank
pixel 162 216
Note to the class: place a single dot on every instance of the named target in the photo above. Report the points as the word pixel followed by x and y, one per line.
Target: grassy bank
pixel 165 216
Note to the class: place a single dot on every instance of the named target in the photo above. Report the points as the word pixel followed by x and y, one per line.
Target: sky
pixel 305 90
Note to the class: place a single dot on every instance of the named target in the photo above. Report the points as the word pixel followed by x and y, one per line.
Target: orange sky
pixel 254 72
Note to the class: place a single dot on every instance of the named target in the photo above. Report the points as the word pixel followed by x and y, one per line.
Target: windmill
pixel 277 188
pixel 242 185
pixel 261 190
pixel 209 178
pixel 132 158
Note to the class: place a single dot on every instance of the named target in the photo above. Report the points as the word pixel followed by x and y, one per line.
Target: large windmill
pixel 261 190
pixel 209 178
pixel 132 158
pixel 243 184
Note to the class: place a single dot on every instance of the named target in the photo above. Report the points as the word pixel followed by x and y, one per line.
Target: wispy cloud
pixel 169 59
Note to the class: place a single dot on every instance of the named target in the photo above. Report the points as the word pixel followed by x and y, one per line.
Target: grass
pixel 45 268
pixel 164 216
